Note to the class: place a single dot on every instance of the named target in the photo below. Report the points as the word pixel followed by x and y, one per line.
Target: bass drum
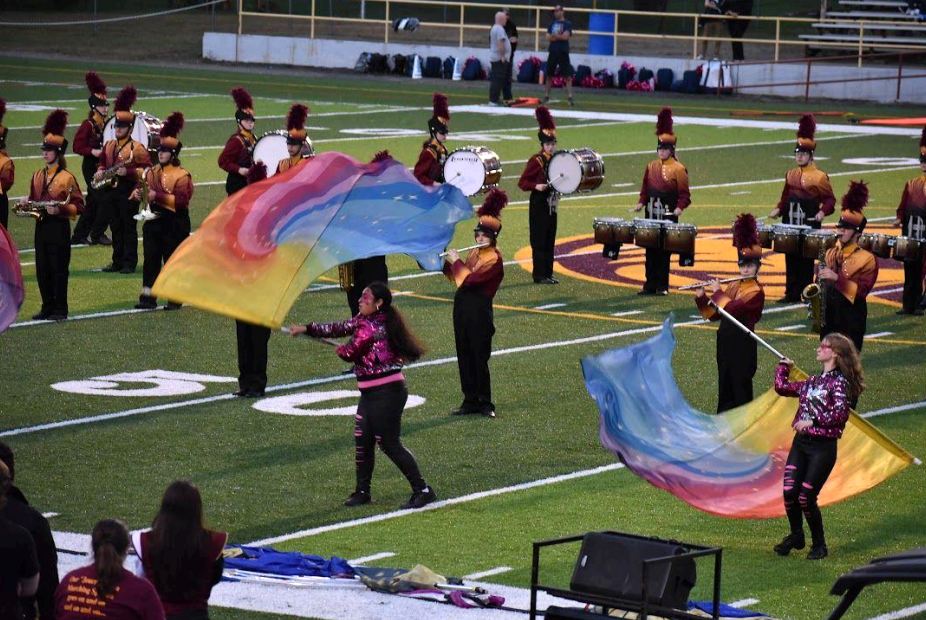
pixel 270 149
pixel 575 171
pixel 147 131
pixel 473 169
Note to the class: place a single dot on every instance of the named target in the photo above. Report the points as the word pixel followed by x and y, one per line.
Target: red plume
pixel 297 115
pixel 495 201
pixel 664 121
pixel 745 231
pixel 544 118
pixel 172 125
pixel 56 123
pixel 922 138
pixel 381 156
pixel 857 196
pixel 2 108
pixel 807 127
pixel 257 172
pixel 441 108
pixel 242 98
pixel 95 83
pixel 126 99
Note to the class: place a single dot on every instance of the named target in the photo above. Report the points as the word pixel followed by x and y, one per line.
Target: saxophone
pixel 145 214
pixel 39 208
pixel 110 176
pixel 346 276
pixel 814 295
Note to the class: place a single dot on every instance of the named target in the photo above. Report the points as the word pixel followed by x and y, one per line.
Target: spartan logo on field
pixel 580 257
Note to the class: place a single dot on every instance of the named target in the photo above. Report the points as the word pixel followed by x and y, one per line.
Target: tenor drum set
pixel 665 235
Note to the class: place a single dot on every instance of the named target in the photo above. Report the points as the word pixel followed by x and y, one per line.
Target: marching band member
pixel 7 171
pixel 131 157
pixel 543 200
pixel 821 417
pixel 665 195
pixel 381 343
pixel 170 189
pixel 297 140
pixel 911 217
pixel 430 167
pixel 806 199
pixel 237 156
pixel 737 354
pixel 477 280
pixel 88 143
pixel 53 229
pixel 365 271
pixel 850 270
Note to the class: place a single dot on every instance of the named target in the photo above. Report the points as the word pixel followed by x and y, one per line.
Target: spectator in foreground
pixel 105 589
pixel 180 556
pixel 18 511
pixel 499 55
pixel 19 566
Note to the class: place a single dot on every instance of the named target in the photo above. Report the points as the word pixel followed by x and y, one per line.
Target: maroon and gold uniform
pixel 91 226
pixel 911 216
pixel 290 162
pixel 7 171
pixel 238 153
pixel 543 203
pixel 430 166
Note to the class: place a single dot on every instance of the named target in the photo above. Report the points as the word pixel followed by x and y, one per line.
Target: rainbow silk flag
pixel 731 464
pixel 261 247
pixel 12 292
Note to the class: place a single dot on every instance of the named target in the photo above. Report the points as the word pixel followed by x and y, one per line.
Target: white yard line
pixel 371 558
pixel 878 335
pixel 784 308
pixel 897 409
pixel 78 317
pixel 887 291
pixel 550 306
pixel 498 570
pixel 49 515
pixel 788 328
pixel 627 313
pixel 901 613
pixel 746 602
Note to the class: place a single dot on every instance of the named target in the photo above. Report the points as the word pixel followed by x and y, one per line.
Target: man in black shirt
pixel 19 566
pixel 737 27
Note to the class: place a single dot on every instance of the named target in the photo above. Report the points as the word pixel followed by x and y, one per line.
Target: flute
pixel 471 247
pixel 724 281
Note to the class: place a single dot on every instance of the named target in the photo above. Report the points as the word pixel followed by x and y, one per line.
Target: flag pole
pixel 751 333
pixel 329 341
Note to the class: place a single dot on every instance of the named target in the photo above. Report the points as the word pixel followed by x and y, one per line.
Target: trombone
pixel 724 281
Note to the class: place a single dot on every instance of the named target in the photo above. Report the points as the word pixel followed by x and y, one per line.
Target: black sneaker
pixel 146 302
pixel 172 305
pixel 358 498
pixel 111 268
pixel 817 552
pixel 58 316
pixel 101 240
pixel 489 413
pixel 79 241
pixel 420 499
pixel 789 542
pixel 127 270
pixel 41 316
pixel 464 410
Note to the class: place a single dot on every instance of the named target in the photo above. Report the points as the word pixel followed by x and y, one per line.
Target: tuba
pixel 814 295
pixel 39 208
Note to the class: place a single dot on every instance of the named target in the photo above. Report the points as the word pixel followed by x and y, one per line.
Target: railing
pixel 539 13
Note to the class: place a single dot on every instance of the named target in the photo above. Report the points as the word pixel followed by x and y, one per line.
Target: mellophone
pixel 665 235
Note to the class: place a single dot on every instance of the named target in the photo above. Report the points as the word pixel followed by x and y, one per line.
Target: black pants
pixel 912 283
pixel 542 235
pixel 506 87
pixel 657 270
pixel 379 421
pixel 235 182
pixel 121 212
pixel 161 236
pixel 252 356
pixel 809 465
pixel 5 210
pixel 799 272
pixel 848 319
pixel 93 221
pixel 737 357
pixel 737 28
pixel 497 80
pixel 473 328
pixel 366 271
pixel 52 262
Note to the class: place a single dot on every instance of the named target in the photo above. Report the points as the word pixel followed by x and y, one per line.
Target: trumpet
pixel 108 177
pixel 145 214
pixel 39 208
pixel 724 281
pixel 469 247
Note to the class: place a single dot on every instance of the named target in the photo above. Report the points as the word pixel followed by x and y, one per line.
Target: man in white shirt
pixel 499 55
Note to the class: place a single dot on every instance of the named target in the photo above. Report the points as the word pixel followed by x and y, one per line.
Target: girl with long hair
pixel 113 591
pixel 381 343
pixel 820 420
pixel 180 556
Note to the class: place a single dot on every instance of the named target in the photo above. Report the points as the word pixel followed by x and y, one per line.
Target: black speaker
pixel 611 564
pixel 572 613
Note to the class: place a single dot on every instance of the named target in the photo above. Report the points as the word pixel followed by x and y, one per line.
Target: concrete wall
pixel 293 51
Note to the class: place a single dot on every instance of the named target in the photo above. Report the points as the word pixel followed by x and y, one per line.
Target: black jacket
pixel 18 510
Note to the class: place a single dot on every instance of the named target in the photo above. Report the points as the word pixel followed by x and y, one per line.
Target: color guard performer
pixel 88 143
pixel 53 228
pixel 911 218
pixel 665 195
pixel 297 140
pixel 544 200
pixel 7 171
pixel 127 158
pixel 170 189
pixel 806 199
pixel 430 167
pixel 850 272
pixel 737 355
pixel 477 280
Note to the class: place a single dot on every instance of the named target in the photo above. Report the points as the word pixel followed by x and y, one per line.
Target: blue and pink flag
pixel 731 464
pixel 261 247
pixel 12 292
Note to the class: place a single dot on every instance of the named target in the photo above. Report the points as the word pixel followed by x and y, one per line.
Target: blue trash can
pixel 601 44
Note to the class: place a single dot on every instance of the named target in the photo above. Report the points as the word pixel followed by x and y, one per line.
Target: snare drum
pixel 473 169
pixel 680 238
pixel 648 233
pixel 908 248
pixel 765 236
pixel 271 149
pixel 146 130
pixel 816 241
pixel 575 171
pixel 606 229
pixel 787 238
pixel 878 244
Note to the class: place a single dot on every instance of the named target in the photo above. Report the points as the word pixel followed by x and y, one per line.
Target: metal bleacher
pixel 884 25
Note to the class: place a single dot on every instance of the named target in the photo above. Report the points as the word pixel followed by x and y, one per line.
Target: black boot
pixel 420 498
pixel 358 498
pixel 817 552
pixel 146 302
pixel 789 542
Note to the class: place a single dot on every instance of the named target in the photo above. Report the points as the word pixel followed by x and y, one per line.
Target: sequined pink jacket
pixel 824 399
pixel 368 348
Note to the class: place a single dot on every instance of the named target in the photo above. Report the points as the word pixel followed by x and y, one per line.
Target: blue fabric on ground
pixel 726 611
pixel 290 563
